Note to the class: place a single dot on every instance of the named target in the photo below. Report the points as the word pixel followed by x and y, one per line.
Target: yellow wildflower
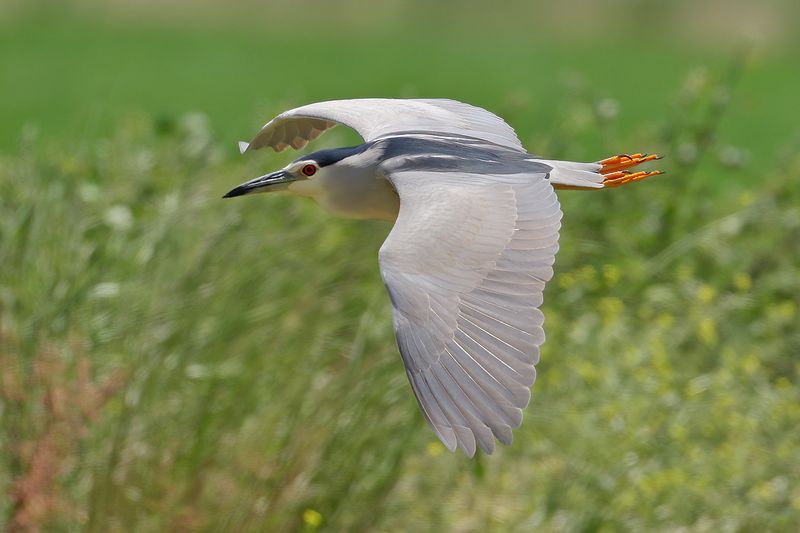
pixel 665 320
pixel 742 281
pixel 566 280
pixel 796 501
pixel 434 448
pixel 784 310
pixel 750 364
pixel 611 273
pixel 706 293
pixel 312 518
pixel 707 331
pixel 611 307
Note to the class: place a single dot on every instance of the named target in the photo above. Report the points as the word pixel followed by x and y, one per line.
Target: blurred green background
pixel 172 362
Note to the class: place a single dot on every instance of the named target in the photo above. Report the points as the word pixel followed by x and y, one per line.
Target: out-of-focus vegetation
pixel 169 361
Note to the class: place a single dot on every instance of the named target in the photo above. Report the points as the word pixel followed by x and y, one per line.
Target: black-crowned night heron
pixel 473 244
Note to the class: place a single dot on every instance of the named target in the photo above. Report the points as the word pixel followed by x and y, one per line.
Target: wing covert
pixel 465 266
pixel 377 117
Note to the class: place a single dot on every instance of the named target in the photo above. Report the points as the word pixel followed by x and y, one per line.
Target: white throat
pixel 354 190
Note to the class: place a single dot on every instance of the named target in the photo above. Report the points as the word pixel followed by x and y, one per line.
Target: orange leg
pixel 615 173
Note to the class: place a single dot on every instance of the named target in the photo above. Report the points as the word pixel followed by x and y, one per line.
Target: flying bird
pixel 476 223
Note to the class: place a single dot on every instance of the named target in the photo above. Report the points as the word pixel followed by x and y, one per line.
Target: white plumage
pixel 472 248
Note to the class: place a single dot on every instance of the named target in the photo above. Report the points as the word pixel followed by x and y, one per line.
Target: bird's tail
pixel 610 172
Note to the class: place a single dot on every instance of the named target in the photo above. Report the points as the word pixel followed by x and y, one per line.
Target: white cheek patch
pixel 309 188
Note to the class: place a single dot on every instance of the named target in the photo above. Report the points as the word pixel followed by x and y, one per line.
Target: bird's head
pixel 312 167
pixel 302 169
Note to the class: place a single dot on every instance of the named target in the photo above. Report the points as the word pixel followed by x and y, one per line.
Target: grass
pixel 174 362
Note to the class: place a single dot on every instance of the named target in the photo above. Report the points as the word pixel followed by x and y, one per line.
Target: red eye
pixel 309 170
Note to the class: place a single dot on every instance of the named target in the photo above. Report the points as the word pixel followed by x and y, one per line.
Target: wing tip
pixel 466 440
pixel 447 436
pixel 243 146
pixel 504 435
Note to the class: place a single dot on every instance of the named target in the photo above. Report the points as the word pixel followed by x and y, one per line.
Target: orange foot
pixel 615 173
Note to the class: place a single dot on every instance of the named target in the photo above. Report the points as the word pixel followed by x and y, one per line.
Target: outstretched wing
pixel 465 266
pixel 377 117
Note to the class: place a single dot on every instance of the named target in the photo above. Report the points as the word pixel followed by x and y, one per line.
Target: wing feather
pixel 465 266
pixel 379 117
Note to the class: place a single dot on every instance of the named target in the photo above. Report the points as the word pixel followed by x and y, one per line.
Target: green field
pixel 173 362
